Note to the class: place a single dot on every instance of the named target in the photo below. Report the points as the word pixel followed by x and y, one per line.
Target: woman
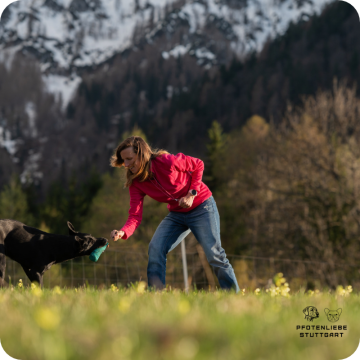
pixel 175 180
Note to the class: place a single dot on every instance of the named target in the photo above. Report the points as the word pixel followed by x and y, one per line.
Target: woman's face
pixel 131 160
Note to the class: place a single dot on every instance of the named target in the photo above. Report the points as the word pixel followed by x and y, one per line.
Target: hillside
pixel 172 98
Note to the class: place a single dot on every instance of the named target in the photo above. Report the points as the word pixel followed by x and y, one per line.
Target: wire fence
pixel 123 267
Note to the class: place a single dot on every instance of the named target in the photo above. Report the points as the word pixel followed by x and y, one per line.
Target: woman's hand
pixel 186 201
pixel 117 234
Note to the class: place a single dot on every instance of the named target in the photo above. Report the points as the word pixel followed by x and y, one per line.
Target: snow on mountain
pixel 64 34
pixel 67 35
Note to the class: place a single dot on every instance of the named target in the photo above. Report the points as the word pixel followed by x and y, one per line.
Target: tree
pixel 308 181
pixel 292 191
pixel 13 203
pixel 69 202
pixel 215 153
pixel 236 162
pixel 136 131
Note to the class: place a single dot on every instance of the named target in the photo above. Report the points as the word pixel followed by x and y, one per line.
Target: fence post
pixel 185 271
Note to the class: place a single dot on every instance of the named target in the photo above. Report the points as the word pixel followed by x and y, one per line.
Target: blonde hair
pixel 144 152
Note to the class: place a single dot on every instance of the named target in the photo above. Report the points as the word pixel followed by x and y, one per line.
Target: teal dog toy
pixel 95 255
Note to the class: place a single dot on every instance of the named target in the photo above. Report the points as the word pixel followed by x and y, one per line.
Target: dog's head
pixel 311 313
pixel 86 243
pixel 333 315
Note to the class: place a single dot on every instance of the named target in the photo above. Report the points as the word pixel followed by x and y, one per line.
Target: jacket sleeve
pixel 135 211
pixel 185 163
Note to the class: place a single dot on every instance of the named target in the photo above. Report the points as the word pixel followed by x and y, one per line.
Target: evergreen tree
pixel 215 152
pixel 13 203
pixel 69 203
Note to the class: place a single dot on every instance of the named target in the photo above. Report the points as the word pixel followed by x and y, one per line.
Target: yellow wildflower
pixel 47 318
pixel 20 284
pixel 114 288
pixel 57 290
pixel 184 307
pixel 35 290
pixel 124 305
pixel 279 290
pixel 344 292
pixel 141 287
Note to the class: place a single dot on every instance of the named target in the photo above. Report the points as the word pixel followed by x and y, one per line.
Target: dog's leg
pixel 34 275
pixel 2 266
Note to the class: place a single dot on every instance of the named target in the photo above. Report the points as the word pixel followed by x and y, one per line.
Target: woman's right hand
pixel 117 234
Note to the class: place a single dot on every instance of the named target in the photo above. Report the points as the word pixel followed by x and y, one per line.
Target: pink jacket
pixel 174 176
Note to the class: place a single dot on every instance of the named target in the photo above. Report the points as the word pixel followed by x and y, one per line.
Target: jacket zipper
pixel 162 189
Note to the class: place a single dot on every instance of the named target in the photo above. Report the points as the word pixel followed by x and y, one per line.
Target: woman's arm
pixel 135 215
pixel 184 163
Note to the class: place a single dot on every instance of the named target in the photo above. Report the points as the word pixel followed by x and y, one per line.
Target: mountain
pixel 70 36
pixel 172 78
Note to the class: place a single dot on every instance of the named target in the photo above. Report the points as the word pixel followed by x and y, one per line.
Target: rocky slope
pixel 112 48
pixel 67 36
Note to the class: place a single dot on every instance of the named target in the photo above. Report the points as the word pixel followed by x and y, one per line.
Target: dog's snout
pixel 104 241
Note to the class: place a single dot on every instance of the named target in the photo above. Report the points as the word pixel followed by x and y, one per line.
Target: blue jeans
pixel 204 223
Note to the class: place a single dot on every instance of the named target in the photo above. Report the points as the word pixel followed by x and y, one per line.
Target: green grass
pixel 134 323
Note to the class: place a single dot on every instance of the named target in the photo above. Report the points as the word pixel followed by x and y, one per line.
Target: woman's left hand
pixel 186 201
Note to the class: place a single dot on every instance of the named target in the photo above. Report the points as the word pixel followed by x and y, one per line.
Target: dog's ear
pixel 306 311
pixel 71 228
pixel 326 311
pixel 339 310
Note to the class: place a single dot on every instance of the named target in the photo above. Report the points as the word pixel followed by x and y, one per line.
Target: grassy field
pixel 133 323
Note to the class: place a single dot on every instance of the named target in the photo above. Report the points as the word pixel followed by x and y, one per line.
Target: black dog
pixel 36 250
